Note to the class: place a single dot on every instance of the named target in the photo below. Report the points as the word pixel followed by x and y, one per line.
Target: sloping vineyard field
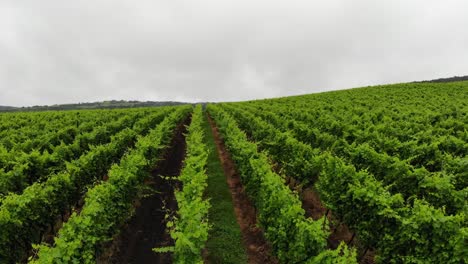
pixel 388 162
pixel 366 175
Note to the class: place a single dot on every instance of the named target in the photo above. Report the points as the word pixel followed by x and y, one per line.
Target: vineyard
pixel 366 175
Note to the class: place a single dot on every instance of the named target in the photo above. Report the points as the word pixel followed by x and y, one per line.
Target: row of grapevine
pixel 403 111
pixel 41 131
pixel 294 237
pixel 416 233
pixel 428 148
pixel 34 166
pixel 25 217
pixel 396 119
pixel 108 204
pixel 190 227
pixel 437 188
pixel 376 206
pixel 22 131
pixel 46 143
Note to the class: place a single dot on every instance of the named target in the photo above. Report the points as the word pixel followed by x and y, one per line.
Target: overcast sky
pixel 55 51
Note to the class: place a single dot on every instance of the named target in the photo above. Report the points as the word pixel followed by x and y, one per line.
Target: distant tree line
pixel 451 79
pixel 94 105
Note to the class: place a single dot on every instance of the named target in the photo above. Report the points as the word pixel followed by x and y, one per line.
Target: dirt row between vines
pixel 257 248
pixel 314 209
pixel 147 227
pixel 340 232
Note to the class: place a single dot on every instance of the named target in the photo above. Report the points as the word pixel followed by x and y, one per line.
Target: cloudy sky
pixel 55 51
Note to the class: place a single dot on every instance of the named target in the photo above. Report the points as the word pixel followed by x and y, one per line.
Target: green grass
pixel 224 243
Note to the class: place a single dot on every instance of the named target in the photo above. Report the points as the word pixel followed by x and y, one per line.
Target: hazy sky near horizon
pixel 55 51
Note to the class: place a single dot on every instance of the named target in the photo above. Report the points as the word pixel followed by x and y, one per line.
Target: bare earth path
pixel 147 228
pixel 258 250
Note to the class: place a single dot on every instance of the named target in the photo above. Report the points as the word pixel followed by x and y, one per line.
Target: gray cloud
pixel 56 51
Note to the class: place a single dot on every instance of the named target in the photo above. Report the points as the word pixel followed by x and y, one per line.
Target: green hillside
pixel 366 175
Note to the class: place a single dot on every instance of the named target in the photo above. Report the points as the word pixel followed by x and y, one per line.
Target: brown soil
pixel 257 248
pixel 339 232
pixel 147 227
pixel 314 209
